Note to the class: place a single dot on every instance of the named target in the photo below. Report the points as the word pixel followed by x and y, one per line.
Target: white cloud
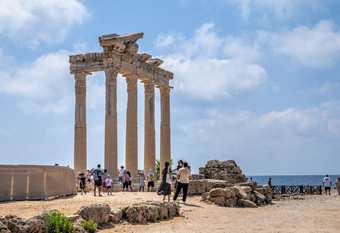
pixel 281 9
pixel 277 138
pixel 45 85
pixel 33 21
pixel 209 66
pixel 314 47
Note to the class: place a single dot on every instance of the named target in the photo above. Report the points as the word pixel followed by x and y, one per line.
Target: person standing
pixel 104 180
pixel 88 176
pixel 270 182
pixel 82 183
pixel 125 181
pixel 337 185
pixel 327 183
pixel 129 180
pixel 121 173
pixel 151 181
pixel 141 181
pixel 97 177
pixel 165 187
pixel 183 177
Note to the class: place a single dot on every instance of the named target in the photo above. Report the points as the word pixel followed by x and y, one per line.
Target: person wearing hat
pixel 108 184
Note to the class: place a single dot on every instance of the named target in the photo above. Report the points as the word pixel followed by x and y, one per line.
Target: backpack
pixel 151 176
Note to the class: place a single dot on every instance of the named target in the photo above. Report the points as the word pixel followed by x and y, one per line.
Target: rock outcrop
pixel 222 170
pixel 246 194
pixel 99 212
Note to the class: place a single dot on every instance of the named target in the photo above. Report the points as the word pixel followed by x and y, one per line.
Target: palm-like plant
pixel 158 169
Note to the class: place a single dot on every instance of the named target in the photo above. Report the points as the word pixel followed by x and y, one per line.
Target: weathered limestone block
pixel 99 212
pixel 17 224
pixel 217 192
pixel 116 215
pixel 136 214
pixel 260 198
pixel 239 192
pixel 247 189
pixel 246 203
pixel 253 184
pixel 218 200
pixel 201 170
pixel 3 226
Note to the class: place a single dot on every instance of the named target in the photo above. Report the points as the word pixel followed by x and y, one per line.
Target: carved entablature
pixel 120 54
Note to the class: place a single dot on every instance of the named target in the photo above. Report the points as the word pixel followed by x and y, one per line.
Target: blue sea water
pixel 294 179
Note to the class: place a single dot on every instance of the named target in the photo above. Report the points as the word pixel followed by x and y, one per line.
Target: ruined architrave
pixel 120 55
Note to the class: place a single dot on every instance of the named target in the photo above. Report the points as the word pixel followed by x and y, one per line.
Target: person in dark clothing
pixel 165 187
pixel 183 177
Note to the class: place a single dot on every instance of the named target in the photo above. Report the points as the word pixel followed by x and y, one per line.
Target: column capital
pixel 131 81
pixel 165 91
pixel 111 76
pixel 149 87
pixel 80 79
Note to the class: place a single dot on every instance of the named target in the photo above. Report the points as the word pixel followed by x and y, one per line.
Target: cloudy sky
pixel 256 81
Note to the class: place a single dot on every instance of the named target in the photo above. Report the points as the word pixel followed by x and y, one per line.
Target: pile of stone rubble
pixel 222 183
pixel 100 213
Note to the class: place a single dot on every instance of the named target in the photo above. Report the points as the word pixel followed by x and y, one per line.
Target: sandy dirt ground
pixel 303 214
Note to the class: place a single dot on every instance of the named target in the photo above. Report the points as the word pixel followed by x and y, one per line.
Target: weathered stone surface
pixel 218 200
pixel 3 227
pixel 17 224
pixel 73 217
pixel 99 212
pixel 240 192
pixel 247 189
pixel 216 192
pixel 80 229
pixel 246 203
pixel 197 187
pixel 260 198
pixel 116 215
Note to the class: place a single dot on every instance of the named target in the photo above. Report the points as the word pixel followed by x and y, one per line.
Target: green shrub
pixel 56 222
pixel 89 226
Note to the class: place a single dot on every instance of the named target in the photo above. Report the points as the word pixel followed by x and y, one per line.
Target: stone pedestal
pixel 80 160
pixel 131 150
pixel 111 156
pixel 149 127
pixel 165 148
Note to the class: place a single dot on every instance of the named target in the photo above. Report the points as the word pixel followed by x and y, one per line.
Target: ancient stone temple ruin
pixel 120 55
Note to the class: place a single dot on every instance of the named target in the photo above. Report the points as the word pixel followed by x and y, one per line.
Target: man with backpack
pixel 151 180
pixel 97 177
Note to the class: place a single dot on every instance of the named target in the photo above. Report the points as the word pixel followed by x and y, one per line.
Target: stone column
pixel 110 161
pixel 80 163
pixel 131 149
pixel 165 147
pixel 149 126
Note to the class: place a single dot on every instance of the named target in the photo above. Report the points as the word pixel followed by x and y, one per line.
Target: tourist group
pixel 102 181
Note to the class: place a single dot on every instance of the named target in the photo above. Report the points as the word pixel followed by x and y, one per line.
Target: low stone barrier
pixel 247 194
pixel 101 213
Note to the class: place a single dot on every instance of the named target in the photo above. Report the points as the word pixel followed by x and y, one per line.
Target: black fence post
pixel 301 189
pixel 283 189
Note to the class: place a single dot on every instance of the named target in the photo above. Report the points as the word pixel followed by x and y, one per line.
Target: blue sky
pixel 254 81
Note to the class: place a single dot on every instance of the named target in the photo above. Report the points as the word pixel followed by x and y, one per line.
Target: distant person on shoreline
pixel 97 177
pixel 327 183
pixel 337 185
pixel 270 182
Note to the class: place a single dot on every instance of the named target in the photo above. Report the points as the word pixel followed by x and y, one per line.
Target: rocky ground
pixel 295 214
